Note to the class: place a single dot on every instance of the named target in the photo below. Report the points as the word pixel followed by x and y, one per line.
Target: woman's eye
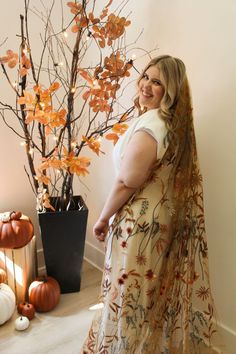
pixel 157 83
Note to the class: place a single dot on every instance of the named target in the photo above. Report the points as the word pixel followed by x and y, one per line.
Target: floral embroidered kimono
pixel 155 288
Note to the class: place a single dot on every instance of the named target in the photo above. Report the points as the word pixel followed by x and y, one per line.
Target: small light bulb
pixel 25 51
pixel 14 84
pixel 55 138
pixel 99 139
pixel 95 84
pixel 22 143
pixel 42 105
pixel 35 177
pixel 58 172
pixel 61 63
pixel 134 56
pixel 73 89
pixel 65 34
pixel 31 151
pixel 73 144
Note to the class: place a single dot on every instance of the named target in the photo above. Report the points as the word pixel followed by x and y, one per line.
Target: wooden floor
pixel 61 331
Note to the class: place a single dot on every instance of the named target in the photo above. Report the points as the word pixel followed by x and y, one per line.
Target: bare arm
pixel 139 157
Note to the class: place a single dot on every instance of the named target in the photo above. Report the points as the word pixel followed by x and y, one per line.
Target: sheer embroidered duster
pixel 155 286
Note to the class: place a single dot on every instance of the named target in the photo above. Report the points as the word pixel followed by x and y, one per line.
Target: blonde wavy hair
pixel 176 110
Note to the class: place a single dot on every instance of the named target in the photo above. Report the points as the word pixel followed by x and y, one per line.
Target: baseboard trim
pixel 94 255
pixel 229 338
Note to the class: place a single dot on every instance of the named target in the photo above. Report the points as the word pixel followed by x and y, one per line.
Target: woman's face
pixel 150 88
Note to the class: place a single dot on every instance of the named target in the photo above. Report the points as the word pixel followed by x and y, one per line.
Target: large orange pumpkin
pixel 44 293
pixel 16 231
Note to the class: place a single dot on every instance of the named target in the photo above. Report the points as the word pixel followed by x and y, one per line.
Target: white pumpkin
pixel 21 323
pixel 7 303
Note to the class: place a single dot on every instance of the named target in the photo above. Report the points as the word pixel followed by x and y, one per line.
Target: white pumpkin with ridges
pixel 7 303
pixel 21 323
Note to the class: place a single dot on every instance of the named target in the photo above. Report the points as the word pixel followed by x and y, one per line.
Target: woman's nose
pixel 147 83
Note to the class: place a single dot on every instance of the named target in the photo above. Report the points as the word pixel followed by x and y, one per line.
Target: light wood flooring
pixel 60 331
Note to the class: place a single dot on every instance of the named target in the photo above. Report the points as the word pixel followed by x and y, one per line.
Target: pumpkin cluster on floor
pixel 43 293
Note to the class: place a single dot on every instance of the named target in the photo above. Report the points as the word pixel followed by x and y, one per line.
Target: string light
pixel 73 144
pixel 31 151
pixel 99 139
pixel 55 138
pixel 22 143
pixel 35 177
pixel 61 63
pixel 42 105
pixel 25 49
pixel 65 34
pixel 73 89
pixel 95 84
pixel 133 56
pixel 14 84
pixel 88 36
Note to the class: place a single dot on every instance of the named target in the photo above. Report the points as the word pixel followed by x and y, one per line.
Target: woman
pixel 155 289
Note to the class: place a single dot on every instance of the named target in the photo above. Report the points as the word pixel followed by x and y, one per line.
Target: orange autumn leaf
pixel 74 7
pixel 93 144
pixel 86 95
pixel 35 115
pixel 86 76
pixel 120 128
pixel 112 136
pixel 102 43
pixel 43 179
pixel 23 72
pixel 78 165
pixel 75 28
pixel 48 130
pixel 11 58
pixel 55 86
pixel 27 99
pixel 12 63
pixel 25 61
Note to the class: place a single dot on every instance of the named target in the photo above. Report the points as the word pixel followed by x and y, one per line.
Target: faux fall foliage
pixel 76 108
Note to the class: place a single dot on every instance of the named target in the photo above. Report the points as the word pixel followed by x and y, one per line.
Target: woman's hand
pixel 100 229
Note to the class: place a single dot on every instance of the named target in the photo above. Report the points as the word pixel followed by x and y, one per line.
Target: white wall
pixel 202 34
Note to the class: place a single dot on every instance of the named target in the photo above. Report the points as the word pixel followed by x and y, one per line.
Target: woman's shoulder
pixel 151 119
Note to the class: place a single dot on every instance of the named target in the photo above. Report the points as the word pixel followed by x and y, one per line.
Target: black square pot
pixel 63 237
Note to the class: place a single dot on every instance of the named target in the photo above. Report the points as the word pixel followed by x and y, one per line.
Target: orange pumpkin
pixel 26 309
pixel 15 231
pixel 44 293
pixel 3 276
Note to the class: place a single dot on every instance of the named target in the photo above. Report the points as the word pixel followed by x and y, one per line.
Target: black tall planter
pixel 63 236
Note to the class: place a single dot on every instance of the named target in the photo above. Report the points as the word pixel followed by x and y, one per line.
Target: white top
pixel 149 122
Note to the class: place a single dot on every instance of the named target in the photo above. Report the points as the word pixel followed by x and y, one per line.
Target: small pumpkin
pixel 26 309
pixel 16 230
pixel 44 293
pixel 21 323
pixel 7 303
pixel 3 276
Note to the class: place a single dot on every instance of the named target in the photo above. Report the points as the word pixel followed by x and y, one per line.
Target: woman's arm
pixel 139 157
